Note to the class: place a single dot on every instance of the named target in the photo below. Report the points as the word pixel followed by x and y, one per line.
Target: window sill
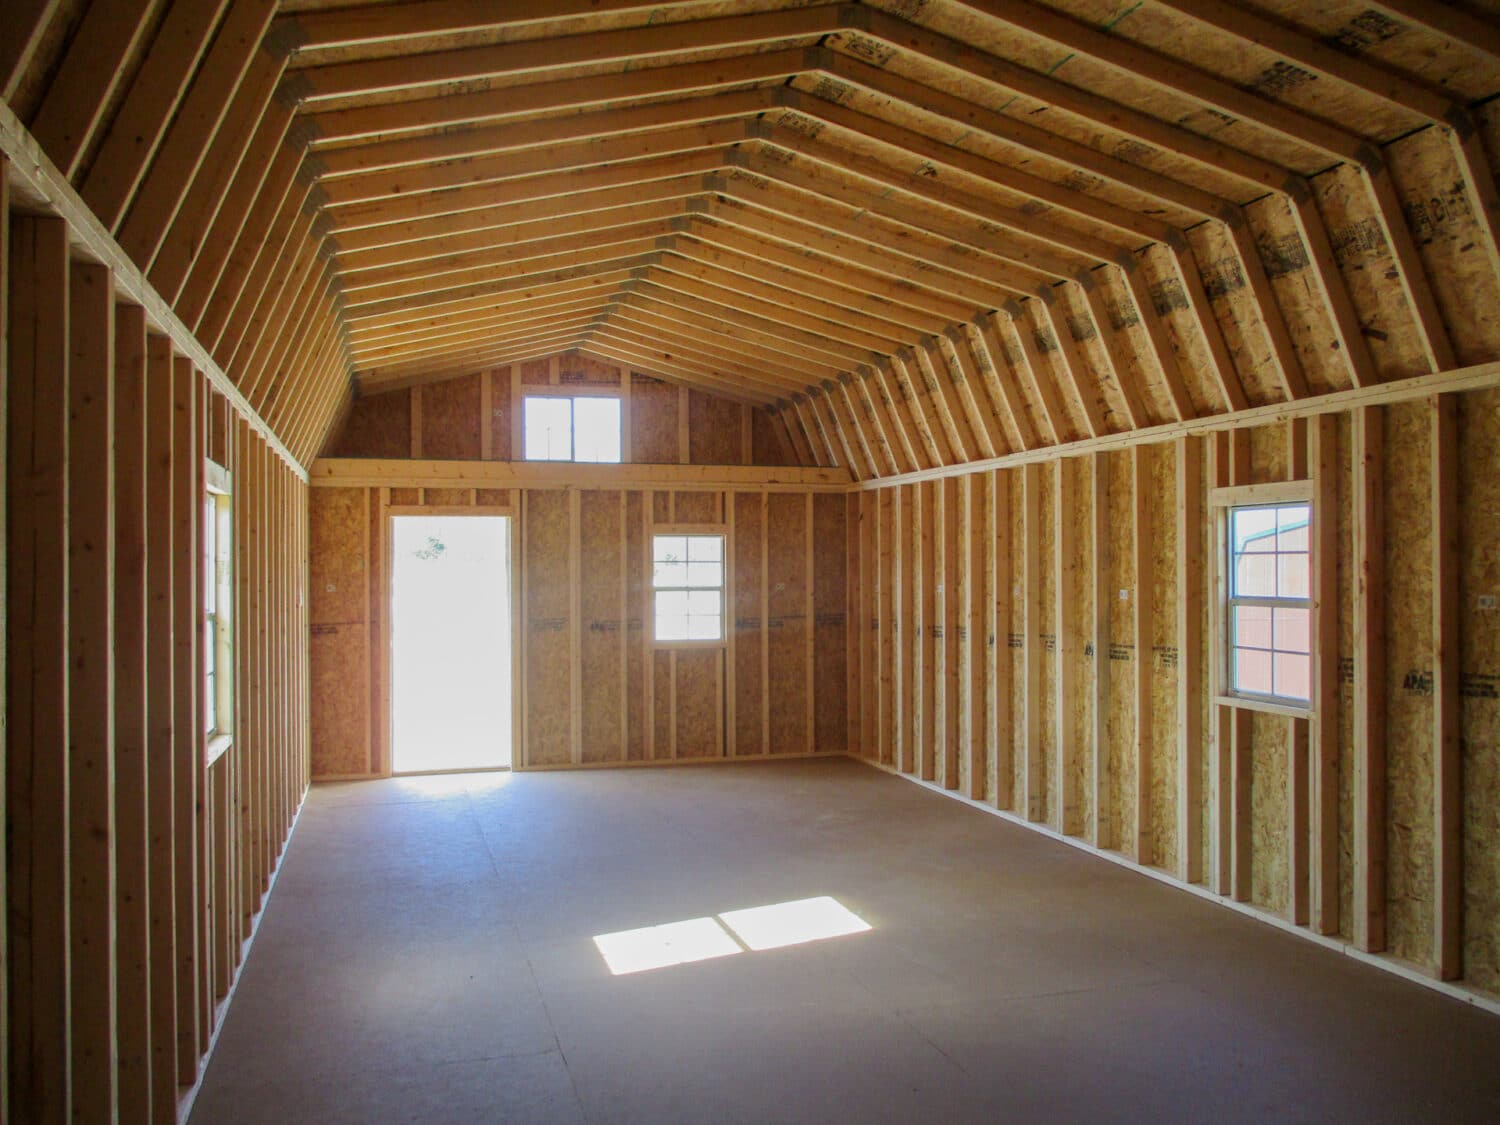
pixel 665 646
pixel 218 746
pixel 1270 706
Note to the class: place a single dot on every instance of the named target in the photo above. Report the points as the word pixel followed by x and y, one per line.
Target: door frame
pixel 388 588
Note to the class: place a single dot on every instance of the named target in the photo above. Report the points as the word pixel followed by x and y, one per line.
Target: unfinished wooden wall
pixel 590 689
pixel 478 417
pixel 136 855
pixel 1041 638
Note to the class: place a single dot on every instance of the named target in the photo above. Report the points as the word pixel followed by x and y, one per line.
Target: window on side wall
pixel 1268 619
pixel 218 604
pixel 583 428
pixel 687 588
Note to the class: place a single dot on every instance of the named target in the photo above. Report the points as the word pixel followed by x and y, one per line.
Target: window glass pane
pixel 1293 675
pixel 1255 576
pixel 1252 626
pixel 1293 538
pixel 669 574
pixel 1252 671
pixel 672 603
pixel 705 574
pixel 210 553
pixel 670 548
pixel 1293 630
pixel 210 718
pixel 704 602
pixel 549 429
pixel 704 628
pixel 596 429
pixel 1253 529
pixel 705 548
pixel 1291 576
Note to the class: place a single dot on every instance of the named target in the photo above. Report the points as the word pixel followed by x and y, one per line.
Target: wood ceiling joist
pixel 841 303
pixel 662 365
pixel 853 252
pixel 155 94
pixel 910 210
pixel 830 273
pixel 397 161
pixel 501 225
pixel 170 251
pixel 75 102
pixel 245 218
pixel 1175 77
pixel 196 250
pixel 1050 146
pixel 513 246
pixel 589 291
pixel 729 380
pixel 312 31
pixel 775 333
pixel 1130 228
pixel 392 121
pixel 998 378
pixel 1048 247
pixel 537 56
pixel 502 279
pixel 882 418
pixel 604 276
pixel 508 333
pixel 791 371
pixel 531 197
pixel 187 141
pixel 461 363
pixel 730 295
pixel 427 191
pixel 464 331
pixel 790 201
pixel 751 372
pixel 476 296
pixel 250 264
pixel 29 20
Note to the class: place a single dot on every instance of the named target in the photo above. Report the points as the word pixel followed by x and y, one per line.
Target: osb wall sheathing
pixel 546 611
pixel 339 641
pixel 787 623
pixel 1122 654
pixel 1479 661
pixel 637 581
pixel 451 419
pixel 699 698
pixel 766 447
pixel 1044 692
pixel 715 434
pixel 602 611
pixel 1275 454
pixel 377 426
pixel 1408 680
pixel 653 421
pixel 746 619
pixel 1161 653
pixel 1269 737
pixel 1077 603
pixel 830 711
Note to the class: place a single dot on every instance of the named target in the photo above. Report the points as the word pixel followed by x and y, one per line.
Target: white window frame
pixel 690 530
pixel 218 646
pixel 1223 502
pixel 571 395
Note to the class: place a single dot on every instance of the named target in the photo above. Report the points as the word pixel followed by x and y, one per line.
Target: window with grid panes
pixel 1270 608
pixel 687 587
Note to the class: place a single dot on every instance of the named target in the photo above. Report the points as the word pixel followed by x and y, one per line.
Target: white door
pixel 450 643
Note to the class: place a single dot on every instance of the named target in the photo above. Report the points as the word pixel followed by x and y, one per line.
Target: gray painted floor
pixel 427 956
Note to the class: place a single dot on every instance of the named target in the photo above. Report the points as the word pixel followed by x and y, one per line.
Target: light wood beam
pixel 1447 710
pixel 1369 785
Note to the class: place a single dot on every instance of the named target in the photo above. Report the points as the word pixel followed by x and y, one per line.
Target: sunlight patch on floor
pixel 736 931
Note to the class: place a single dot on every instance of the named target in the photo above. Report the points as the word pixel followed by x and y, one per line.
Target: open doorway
pixel 450 643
